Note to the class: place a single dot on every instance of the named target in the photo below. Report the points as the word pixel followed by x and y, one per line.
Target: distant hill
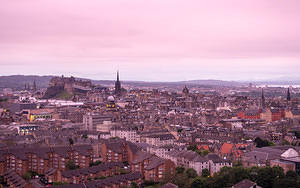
pixel 18 81
pixel 213 82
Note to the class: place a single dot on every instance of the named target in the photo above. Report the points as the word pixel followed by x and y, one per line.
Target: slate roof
pixel 141 156
pixel 105 182
pixel 14 178
pixel 93 169
pixel 42 152
pixel 155 162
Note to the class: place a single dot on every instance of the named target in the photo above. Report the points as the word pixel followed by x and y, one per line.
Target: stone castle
pixel 68 84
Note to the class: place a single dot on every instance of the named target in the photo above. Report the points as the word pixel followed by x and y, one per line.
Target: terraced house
pixel 41 159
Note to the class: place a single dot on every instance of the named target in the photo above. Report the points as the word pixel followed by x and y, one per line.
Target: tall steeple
pixel 118 85
pixel 262 98
pixel 34 86
pixel 288 97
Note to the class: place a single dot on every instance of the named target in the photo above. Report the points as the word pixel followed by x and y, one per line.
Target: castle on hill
pixel 69 85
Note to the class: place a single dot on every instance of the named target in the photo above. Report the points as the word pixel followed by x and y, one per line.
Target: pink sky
pixel 151 40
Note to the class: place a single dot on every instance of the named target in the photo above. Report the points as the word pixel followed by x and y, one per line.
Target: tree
pixel 192 147
pixel 181 180
pixel 179 170
pixel 70 165
pixel 71 141
pixel 167 177
pixel 285 182
pixel 297 134
pixel 291 174
pixel 262 143
pixel 199 183
pixel 27 176
pixel 95 163
pixel 134 185
pixel 204 153
pixel 267 176
pixel 191 173
pixel 205 173
pixel 84 136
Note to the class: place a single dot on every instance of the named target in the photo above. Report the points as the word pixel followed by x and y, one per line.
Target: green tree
pixel 27 176
pixel 291 174
pixel 70 165
pixel 262 143
pixel 267 176
pixel 199 183
pixel 297 134
pixel 205 173
pixel 167 177
pixel 71 141
pixel 134 185
pixel 95 163
pixel 181 180
pixel 285 182
pixel 179 170
pixel 59 183
pixel 204 153
pixel 192 147
pixel 191 173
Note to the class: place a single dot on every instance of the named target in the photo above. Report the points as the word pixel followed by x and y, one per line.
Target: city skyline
pixel 151 41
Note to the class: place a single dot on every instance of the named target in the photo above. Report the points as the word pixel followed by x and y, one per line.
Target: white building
pixel 128 133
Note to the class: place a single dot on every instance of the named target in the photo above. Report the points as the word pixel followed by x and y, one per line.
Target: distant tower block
pixel 118 85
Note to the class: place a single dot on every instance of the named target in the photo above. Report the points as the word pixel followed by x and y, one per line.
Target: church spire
pixel 118 76
pixel 34 86
pixel 262 98
pixel 118 85
pixel 288 98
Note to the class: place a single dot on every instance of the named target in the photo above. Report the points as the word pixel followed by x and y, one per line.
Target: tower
pixel 118 85
pixel 34 86
pixel 288 97
pixel 185 91
pixel 262 98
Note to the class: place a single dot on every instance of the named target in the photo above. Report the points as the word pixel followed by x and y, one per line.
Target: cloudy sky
pixel 157 40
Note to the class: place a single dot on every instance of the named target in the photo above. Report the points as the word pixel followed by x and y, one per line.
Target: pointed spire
pixel 288 98
pixel 118 85
pixel 262 98
pixel 34 86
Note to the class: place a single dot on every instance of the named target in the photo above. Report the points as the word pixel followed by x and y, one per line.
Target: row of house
pixel 149 165
pixel 190 159
pixel 269 114
pixel 124 180
pixel 41 159
pixel 152 167
pixel 84 174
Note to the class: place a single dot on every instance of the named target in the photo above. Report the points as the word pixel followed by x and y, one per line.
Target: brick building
pixel 41 159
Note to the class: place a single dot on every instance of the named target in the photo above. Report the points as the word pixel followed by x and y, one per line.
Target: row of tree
pixel 267 177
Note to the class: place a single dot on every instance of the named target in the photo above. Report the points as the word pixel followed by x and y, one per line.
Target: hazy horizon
pixel 167 40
